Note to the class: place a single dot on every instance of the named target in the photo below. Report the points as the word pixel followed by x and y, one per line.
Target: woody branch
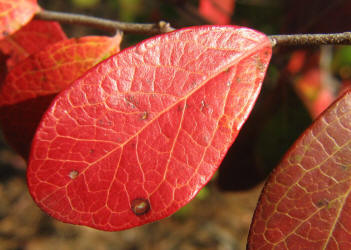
pixel 296 40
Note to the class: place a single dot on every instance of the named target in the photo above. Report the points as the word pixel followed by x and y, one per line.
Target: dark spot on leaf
pixel 130 101
pixel 5 33
pixel 140 206
pixel 322 203
pixel 73 174
pixel 180 107
pixel 343 167
pixel 144 115
pixel 203 105
pixel 92 151
pixel 104 123
pixel 100 122
pixel 44 78
pixel 260 65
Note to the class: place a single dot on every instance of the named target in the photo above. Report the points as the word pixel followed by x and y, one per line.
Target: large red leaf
pixel 33 37
pixel 141 133
pixel 306 201
pixel 32 84
pixel 14 14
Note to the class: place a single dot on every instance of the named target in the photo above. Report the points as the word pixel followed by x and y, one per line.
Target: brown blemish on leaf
pixel 180 107
pixel 144 115
pixel 322 203
pixel 344 167
pixel 140 206
pixel 73 174
pixel 260 65
pixel 130 101
pixel 104 123
pixel 203 105
pixel 44 78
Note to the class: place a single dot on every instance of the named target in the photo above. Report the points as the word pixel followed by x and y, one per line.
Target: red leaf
pixel 14 14
pixel 312 87
pixel 32 38
pixel 140 134
pixel 217 11
pixel 32 84
pixel 305 203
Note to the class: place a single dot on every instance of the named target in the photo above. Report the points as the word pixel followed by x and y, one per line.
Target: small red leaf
pixel 305 203
pixel 217 11
pixel 32 84
pixel 14 14
pixel 32 38
pixel 314 89
pixel 146 129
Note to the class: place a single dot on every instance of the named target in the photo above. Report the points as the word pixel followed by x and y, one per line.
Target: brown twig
pixel 308 40
pixel 297 40
pixel 104 24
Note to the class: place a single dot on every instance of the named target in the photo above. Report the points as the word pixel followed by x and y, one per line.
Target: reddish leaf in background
pixel 14 14
pixel 314 85
pixel 314 92
pixel 32 38
pixel 32 84
pixel 306 201
pixel 217 11
pixel 140 134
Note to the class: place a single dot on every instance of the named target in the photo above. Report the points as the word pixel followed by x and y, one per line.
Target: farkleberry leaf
pixel 140 134
pixel 14 14
pixel 217 11
pixel 32 38
pixel 32 84
pixel 306 201
pixel 314 88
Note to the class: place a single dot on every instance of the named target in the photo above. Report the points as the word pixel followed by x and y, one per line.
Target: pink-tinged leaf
pixel 217 11
pixel 140 134
pixel 14 14
pixel 30 39
pixel 306 201
pixel 314 89
pixel 32 84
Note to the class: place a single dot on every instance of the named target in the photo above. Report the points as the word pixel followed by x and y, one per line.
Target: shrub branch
pixel 104 24
pixel 297 40
pixel 306 40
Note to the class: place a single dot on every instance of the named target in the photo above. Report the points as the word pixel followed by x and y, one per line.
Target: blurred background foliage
pixel 300 83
